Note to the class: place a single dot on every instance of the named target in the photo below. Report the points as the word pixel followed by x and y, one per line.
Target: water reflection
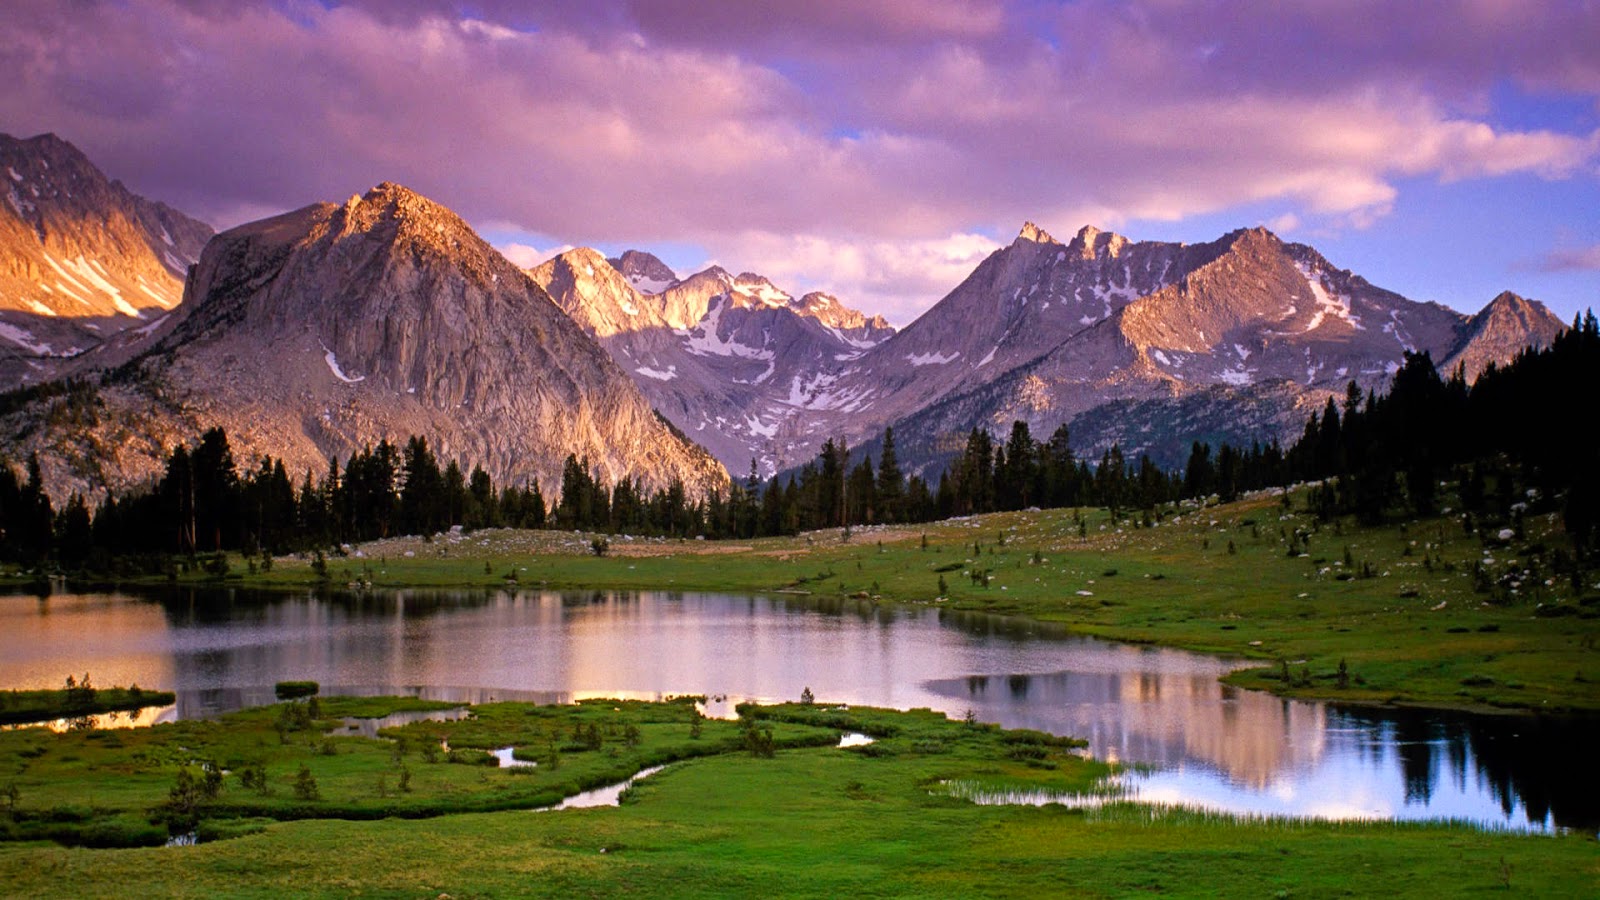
pixel 1147 715
pixel 1206 743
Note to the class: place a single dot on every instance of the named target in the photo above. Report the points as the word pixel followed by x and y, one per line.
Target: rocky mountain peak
pixel 391 210
pixel 1499 331
pixel 1259 236
pixel 328 328
pixel 82 261
pixel 596 294
pixel 749 287
pixel 828 310
pixel 647 273
pixel 1090 242
pixel 1032 232
pixel 1507 303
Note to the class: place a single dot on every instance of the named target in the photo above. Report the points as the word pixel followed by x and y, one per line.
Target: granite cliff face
pixel 88 270
pixel 331 327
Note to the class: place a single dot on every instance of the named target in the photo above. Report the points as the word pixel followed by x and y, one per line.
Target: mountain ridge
pixel 1241 314
pixel 85 264
pixel 1041 330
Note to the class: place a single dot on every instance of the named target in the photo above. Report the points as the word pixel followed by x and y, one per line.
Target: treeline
pixel 204 503
pixel 1509 442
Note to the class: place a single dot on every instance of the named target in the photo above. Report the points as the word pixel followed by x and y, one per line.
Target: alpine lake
pixel 1178 735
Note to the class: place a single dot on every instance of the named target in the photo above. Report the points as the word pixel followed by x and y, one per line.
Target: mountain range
pixel 732 359
pixel 1254 331
pixel 316 332
pixel 1262 330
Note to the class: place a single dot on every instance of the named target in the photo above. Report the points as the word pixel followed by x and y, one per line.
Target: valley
pixel 291 434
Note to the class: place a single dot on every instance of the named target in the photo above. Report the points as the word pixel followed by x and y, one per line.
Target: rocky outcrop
pixel 88 269
pixel 331 327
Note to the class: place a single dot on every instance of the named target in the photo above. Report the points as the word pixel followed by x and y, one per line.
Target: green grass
pixel 1416 632
pixel 811 821
pixel 21 707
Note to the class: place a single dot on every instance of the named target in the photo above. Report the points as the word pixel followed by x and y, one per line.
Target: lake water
pixel 1196 741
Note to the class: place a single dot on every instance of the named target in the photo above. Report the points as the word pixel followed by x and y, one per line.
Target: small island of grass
pixel 76 700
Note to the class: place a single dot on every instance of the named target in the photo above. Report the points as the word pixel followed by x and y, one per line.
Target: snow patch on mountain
pixel 703 339
pixel 650 285
pixel 931 359
pixel 333 366
pixel 758 288
pixel 24 338
pixel 1327 304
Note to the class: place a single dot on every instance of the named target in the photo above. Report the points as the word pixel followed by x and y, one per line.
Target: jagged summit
pixel 1091 242
pixel 394 210
pixel 1047 333
pixel 1032 232
pixel 733 360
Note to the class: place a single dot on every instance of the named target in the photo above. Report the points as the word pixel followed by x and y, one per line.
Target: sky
pixel 875 149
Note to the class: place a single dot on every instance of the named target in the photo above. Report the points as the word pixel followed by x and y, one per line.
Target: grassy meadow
pixel 798 816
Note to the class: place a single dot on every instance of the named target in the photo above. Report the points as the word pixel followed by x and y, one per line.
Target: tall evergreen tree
pixel 891 482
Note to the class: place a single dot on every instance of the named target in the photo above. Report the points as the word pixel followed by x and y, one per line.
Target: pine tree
pixel 891 483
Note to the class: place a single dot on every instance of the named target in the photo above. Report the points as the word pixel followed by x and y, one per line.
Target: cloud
pixel 1283 224
pixel 853 144
pixel 526 257
pixel 1582 259
pixel 897 279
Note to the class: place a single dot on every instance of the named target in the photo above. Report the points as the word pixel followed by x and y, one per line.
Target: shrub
pixel 305 785
pixel 290 690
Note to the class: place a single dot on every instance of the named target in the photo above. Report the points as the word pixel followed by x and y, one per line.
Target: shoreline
pixel 1206 581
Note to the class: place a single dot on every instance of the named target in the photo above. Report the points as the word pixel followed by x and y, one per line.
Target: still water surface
pixel 1196 741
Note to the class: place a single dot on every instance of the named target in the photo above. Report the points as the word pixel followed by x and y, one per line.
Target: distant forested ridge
pixel 1506 445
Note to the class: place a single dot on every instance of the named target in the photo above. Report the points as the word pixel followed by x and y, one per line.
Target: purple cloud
pixel 860 146
pixel 1582 259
